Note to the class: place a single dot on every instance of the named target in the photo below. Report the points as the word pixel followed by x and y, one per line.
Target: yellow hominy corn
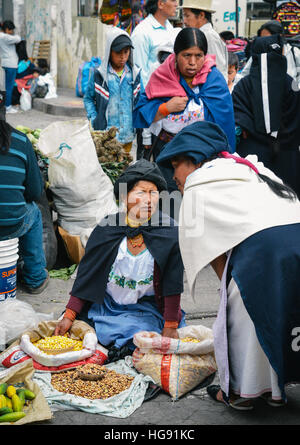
pixel 190 340
pixel 57 342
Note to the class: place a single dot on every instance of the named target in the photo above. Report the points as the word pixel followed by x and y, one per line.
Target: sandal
pixel 241 404
pixel 212 391
pixel 237 404
pixel 267 397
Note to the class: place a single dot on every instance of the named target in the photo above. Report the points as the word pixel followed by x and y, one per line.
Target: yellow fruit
pixel 8 402
pixel 12 417
pixel 3 403
pixel 3 388
pixel 11 390
pixel 21 395
pixel 17 404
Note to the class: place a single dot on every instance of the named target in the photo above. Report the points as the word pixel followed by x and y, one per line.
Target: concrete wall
pixel 78 38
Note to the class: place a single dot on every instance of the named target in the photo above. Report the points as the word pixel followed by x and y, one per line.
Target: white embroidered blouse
pixel 131 276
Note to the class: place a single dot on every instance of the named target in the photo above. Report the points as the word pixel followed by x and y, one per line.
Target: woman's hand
pixel 169 332
pixel 63 326
pixel 177 104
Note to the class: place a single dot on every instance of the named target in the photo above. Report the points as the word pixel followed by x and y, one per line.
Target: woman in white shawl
pixel 239 217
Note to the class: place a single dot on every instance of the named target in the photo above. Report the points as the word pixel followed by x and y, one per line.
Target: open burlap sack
pixel 23 349
pixel 38 409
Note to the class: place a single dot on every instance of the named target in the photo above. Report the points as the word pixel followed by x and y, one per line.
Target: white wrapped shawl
pixel 223 204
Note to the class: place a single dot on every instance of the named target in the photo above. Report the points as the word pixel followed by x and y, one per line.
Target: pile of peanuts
pixel 111 384
pixel 57 342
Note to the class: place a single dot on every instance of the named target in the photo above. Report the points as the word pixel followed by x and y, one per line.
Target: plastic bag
pixel 25 100
pixel 47 80
pixel 82 192
pixel 79 331
pixel 176 366
pixel 14 355
pixel 16 317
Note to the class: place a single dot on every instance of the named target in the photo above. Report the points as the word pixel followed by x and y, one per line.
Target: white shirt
pixel 146 38
pixel 173 123
pixel 215 45
pixel 131 276
pixel 8 54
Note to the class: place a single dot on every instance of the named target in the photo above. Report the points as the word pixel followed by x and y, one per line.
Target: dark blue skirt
pixel 116 324
pixel 266 268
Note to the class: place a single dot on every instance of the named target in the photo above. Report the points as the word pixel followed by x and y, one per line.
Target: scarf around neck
pixel 160 235
pixel 165 80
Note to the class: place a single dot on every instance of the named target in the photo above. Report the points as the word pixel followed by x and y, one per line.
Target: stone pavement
pixel 192 410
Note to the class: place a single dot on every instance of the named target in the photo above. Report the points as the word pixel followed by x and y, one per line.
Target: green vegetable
pixel 64 273
pixel 113 169
pixel 25 130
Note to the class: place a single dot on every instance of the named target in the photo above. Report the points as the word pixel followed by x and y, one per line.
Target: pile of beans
pixel 111 383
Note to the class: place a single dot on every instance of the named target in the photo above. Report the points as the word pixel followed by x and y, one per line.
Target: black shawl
pixel 283 99
pixel 161 238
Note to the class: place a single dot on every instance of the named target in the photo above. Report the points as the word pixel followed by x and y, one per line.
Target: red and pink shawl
pixel 164 81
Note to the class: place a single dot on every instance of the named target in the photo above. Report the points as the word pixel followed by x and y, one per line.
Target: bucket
pixel 8 268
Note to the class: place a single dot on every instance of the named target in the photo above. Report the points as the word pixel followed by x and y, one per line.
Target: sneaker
pixel 11 110
pixel 39 289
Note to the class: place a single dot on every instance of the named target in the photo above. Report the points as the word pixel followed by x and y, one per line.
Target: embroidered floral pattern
pixel 131 284
pixel 187 117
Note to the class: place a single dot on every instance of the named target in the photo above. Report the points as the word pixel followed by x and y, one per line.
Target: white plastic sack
pixel 176 366
pixel 25 100
pixel 88 348
pixel 16 317
pixel 153 342
pixel 47 79
pixel 83 193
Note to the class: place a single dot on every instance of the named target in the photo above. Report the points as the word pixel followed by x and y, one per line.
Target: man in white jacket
pixel 9 59
pixel 197 14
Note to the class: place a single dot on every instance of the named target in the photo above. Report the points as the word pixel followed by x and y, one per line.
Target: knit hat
pixel 141 170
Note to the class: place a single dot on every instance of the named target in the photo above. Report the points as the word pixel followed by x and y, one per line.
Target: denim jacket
pixel 109 100
pixel 110 103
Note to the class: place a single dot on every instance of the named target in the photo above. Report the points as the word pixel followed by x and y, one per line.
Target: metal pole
pixel 237 18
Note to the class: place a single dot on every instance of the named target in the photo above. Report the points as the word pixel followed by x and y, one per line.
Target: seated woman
pixel 240 218
pixel 186 88
pixel 131 276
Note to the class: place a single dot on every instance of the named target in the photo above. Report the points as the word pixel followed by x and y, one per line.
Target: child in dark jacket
pixel 114 89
